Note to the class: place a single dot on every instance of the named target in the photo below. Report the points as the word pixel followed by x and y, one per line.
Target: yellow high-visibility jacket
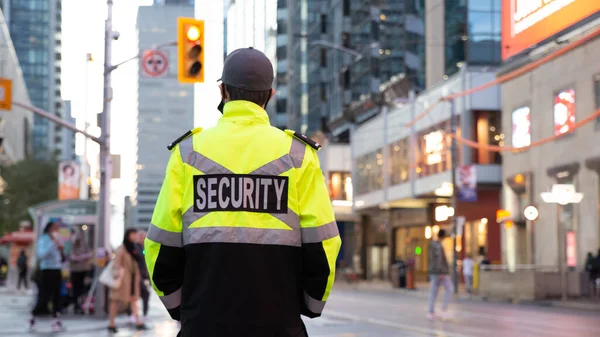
pixel 243 238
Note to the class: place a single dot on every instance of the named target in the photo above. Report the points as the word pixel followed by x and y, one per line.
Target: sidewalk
pixel 15 307
pixel 422 291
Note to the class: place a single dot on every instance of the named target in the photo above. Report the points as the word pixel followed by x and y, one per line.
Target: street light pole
pixel 454 162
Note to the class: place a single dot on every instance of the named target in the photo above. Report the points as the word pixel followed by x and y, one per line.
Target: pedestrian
pixel 438 275
pixel 126 267
pixel 50 256
pixel 243 240
pixel 81 265
pixel 3 271
pixel 468 265
pixel 145 284
pixel 23 267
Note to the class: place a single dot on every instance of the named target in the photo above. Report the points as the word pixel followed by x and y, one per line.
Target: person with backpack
pixel 23 269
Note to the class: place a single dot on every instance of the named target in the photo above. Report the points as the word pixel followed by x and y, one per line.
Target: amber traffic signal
pixel 190 50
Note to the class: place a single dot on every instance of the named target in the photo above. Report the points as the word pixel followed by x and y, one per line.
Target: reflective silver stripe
pixel 173 300
pixel 297 152
pixel 259 236
pixel 199 161
pixel 321 233
pixel 159 235
pixel 290 218
pixel 313 305
pixel 291 160
pixel 189 217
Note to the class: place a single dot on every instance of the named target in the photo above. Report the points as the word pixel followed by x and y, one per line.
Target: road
pixel 352 313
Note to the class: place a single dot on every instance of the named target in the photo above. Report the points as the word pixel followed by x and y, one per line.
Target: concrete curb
pixel 424 293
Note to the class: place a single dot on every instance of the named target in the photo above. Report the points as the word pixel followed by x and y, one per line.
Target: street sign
pixel 155 63
pixel 5 94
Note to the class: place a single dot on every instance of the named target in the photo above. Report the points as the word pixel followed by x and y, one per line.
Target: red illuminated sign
pixel 564 111
pixel 527 22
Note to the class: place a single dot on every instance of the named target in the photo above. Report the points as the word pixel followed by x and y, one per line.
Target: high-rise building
pixel 68 136
pixel 460 32
pixel 165 108
pixel 35 28
pixel 252 23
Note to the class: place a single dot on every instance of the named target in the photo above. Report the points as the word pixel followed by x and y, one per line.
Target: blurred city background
pixel 478 117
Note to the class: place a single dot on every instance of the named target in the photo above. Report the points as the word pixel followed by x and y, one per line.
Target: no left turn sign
pixel 154 63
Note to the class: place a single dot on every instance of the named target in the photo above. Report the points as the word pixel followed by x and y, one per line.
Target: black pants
pixel 23 280
pixel 49 291
pixel 77 279
pixel 145 295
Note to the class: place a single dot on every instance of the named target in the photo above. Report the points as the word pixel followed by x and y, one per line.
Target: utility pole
pixel 104 208
pixel 454 159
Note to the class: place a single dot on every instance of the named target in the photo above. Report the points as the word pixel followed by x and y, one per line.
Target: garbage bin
pixel 398 274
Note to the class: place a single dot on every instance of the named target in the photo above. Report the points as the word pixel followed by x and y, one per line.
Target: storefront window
pixel 340 186
pixel 370 172
pixel 399 161
pixel 475 233
pixel 433 154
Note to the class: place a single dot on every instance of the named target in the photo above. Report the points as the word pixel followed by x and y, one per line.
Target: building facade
pixel 459 32
pixel 16 125
pixel 383 41
pixel 165 108
pixel 253 23
pixel 403 176
pixel 35 28
pixel 553 158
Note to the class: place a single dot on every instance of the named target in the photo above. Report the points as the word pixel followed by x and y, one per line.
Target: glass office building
pixel 472 33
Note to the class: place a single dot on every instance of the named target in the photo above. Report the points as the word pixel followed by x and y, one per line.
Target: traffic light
pixel 190 50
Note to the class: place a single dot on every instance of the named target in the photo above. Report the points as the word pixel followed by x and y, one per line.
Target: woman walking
pixel 128 292
pixel 50 256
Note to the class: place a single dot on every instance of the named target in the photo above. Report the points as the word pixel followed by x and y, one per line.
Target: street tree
pixel 26 183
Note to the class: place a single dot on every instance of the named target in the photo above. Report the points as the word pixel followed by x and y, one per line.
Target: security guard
pixel 243 239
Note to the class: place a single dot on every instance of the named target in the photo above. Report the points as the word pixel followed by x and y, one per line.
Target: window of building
pixel 564 111
pixel 345 40
pixel 433 154
pixel 282 3
pixel 521 127
pixel 370 173
pixel 281 27
pixel 484 29
pixel 282 78
pixel 281 52
pixel 399 164
pixel 323 86
pixel 323 23
pixel 340 186
pixel 346 7
pixel 281 105
pixel 323 57
pixel 488 131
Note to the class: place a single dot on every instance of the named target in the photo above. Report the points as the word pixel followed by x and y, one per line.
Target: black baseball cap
pixel 248 69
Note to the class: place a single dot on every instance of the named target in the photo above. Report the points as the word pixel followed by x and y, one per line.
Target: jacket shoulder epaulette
pixel 184 136
pixel 304 139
